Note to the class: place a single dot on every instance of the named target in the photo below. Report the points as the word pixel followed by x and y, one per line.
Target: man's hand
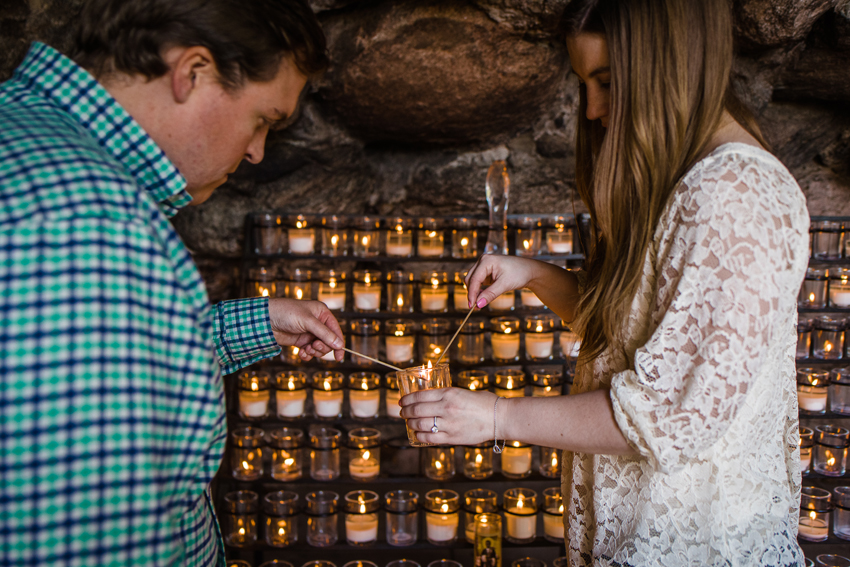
pixel 308 325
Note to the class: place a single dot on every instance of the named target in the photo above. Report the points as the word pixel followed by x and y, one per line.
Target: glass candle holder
pixel 539 337
pixel 529 299
pixel 439 463
pixel 268 233
pixel 547 381
pixel 322 518
pixel 839 390
pixel 418 378
pixel 826 240
pixel 516 459
pixel 464 238
pixel 400 341
pixel 488 539
pixel 830 560
pixel 364 453
pixel 297 283
pixel 509 383
pixel 392 395
pixel 813 291
pixel 247 454
pixel 327 394
pixel 804 339
pixel 520 506
pixel 334 236
pixel 441 516
pixel 290 394
pixel 430 241
pixel 469 345
pixel 812 390
pixel 367 237
pixel 365 339
pixel 841 512
pixel 550 462
pixel 401 458
pixel 473 379
pixel 291 355
pixel 400 288
pixel 281 518
pixel 434 292
pixel 361 517
pixel 272 563
pixel 329 359
pixel 238 563
pixel 240 518
pixel 528 236
pixel 504 302
pixel 559 234
pixel 332 289
pixel 364 394
pixel 367 291
pixel 815 508
pixel 553 515
pixel 478 461
pixel 828 338
pixel 434 339
pixel 477 501
pixel 504 339
pixel 460 298
pixel 399 238
pixel 402 517
pixel 302 234
pixel 254 395
pixel 287 455
pixel 807 441
pixel 839 287
pixel 570 342
pixel 830 451
pixel 261 282
pixel 324 453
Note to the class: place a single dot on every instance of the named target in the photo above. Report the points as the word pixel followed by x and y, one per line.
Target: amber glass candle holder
pixel 324 453
pixel 281 518
pixel 430 240
pixel 478 461
pixel 364 454
pixel 439 462
pixel 254 395
pixel 364 395
pixel 434 338
pixel 287 455
pixel 400 292
pixel 399 237
pixel 473 379
pixel 328 394
pixel 539 337
pixel 528 236
pixel 477 501
pixel 367 291
pixel 434 292
pixel 240 518
pixel 547 381
pixel 247 454
pixel 520 505
pixel 334 236
pixel 290 394
pixel 262 282
pixel 297 283
pixel 509 383
pixel 504 339
pixel 366 237
pixel 464 238
pixel 392 395
pixel 400 341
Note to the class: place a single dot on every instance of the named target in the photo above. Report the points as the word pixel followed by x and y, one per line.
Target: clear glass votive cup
pixel 826 239
pixel 402 517
pixel 332 289
pixel 240 518
pixel 334 236
pixel 830 451
pixel 287 454
pixel 367 291
pixel 290 394
pixel 839 390
pixel 807 442
pixel 464 238
pixel 400 341
pixel 469 344
pixel 828 338
pixel 247 454
pixel 297 283
pixel 254 395
pixel 364 453
pixel 547 381
pixel 392 394
pixel 324 453
pixel 550 462
pixel 841 512
pixel 439 462
pixel 328 396
pixel 400 291
pixel 434 292
pixel 813 291
pixel 364 395
pixel 516 459
pixel 831 560
pixel 478 461
pixel 360 563
pixel 322 518
pixel 539 337
pixel 301 234
pixel 812 390
pixel 504 302
pixel 804 339
pixel 815 511
pixel 365 339
pixel 422 378
pixel 473 379
pixel 430 241
pixel 267 231
pixel 460 296
pixel 520 505
pixel 261 282
pixel 553 515
pixel 403 563
pixel 281 518
pixel 509 383
pixel 399 237
pixel 441 516
pixel 569 341
pixel 434 338
pixel 559 234
pixel 477 501
pixel 361 517
pixel 366 237
pixel 839 287
pixel 504 339
pixel 529 236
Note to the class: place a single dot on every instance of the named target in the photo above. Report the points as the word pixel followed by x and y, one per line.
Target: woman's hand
pixel 501 273
pixel 308 325
pixel 463 417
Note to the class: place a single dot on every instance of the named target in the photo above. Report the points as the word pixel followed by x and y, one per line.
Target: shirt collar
pixel 73 89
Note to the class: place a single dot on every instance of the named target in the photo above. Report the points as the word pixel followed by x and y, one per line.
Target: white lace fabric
pixel 705 388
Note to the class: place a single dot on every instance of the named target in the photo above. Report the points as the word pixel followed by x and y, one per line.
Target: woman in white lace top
pixel 680 433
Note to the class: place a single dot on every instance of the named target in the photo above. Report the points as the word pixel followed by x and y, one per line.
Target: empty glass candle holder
pixel 509 383
pixel 301 234
pixel 246 458
pixel 553 515
pixel 815 511
pixel 826 239
pixel 364 394
pixel 361 517
pixel 516 459
pixel 364 453
pixel 839 390
pixel 488 539
pixel 477 501
pixel 831 560
pixel 402 508
pixel 504 339
pixel 334 236
pixel 828 338
pixel 281 518
pixel 464 238
pixel 267 233
pixel 559 234
pixel 430 240
pixel 399 237
pixel 400 341
pixel 839 287
pixel 367 291
pixel 550 462
pixel 254 395
pixel 473 379
pixel 469 344
pixel 322 518
pixel 460 297
pixel 520 505
pixel 324 453
pixel 439 462
pixel 813 291
pixel 812 390
pixel 570 342
pixel 297 283
pixel 539 337
pixel 434 338
pixel 261 282
pixel 528 236
pixel 239 523
pixel 332 289
pixel 441 516
pixel 804 339
pixel 287 455
pixel 478 461
pixel 400 288
pixel 366 237
pixel 547 381
pixel 830 451
pixel 392 395
pixel 290 394
pixel 328 394
pixel 807 441
pixel 434 292
pixel 841 512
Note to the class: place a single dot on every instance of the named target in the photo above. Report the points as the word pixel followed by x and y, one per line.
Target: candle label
pixel 488 551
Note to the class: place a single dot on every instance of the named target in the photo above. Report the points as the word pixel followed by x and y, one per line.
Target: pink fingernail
pixel 482 303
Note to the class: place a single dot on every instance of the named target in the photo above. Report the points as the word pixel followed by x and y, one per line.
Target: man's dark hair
pixel 247 38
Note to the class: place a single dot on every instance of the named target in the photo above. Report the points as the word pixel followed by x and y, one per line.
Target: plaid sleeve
pixel 242 332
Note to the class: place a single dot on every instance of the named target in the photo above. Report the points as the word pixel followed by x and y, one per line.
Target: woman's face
pixel 589 58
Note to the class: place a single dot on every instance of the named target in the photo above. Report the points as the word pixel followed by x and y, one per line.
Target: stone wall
pixel 424 94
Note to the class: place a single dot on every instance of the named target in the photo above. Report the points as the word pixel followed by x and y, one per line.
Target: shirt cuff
pixel 242 332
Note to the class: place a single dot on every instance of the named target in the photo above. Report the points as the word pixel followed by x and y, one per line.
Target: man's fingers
pixel 323 333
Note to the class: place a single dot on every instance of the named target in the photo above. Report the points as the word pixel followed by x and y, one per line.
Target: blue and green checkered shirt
pixel 112 419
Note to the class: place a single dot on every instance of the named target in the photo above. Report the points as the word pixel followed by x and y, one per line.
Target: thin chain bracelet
pixel 496 447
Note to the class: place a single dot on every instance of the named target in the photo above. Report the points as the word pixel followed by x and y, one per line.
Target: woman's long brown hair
pixel 670 66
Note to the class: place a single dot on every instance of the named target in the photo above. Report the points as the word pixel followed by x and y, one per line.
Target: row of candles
pixel 820 389
pixel 447 517
pixel 282 453
pixel 828 240
pixel 286 393
pixel 400 237
pixel 825 287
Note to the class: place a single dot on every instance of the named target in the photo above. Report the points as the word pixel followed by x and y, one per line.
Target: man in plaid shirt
pixel 111 356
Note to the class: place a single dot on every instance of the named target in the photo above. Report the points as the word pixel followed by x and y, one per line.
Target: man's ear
pixel 190 68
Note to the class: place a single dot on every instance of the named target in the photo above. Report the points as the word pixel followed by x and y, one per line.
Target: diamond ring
pixel 434 428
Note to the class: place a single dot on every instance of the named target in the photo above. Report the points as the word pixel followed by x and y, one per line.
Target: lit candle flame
pixel 365 241
pixel 367 279
pixel 245 465
pixel 362 508
pixel 334 240
pixel 813 515
pixel 435 283
pixel 438 465
pixel 561 509
pixel 399 229
pixel 429 365
pixel 827 346
pixel 472 386
pixel 437 350
pixel 507 330
pixel 299 224
pixel 400 301
pixel 539 327
pixel 814 381
pixel 298 293
pixel 254 385
pixel 526 244
pixel 264 291
pixel 281 531
pixel 464 242
pixel 478 459
pixel 289 462
pixel 327 384
pixel 554 459
pixel 291 384
pixel 366 455
pixel 519 502
pixel 295 351
pixel 241 531
pixel 516 443
pixel 560 227
pixel 510 383
pixel 811 298
pixel 432 234
pixel 444 508
pixel 399 333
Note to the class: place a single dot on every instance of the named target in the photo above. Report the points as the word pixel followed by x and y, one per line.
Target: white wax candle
pixel 301 241
pixel 505 345
pixel 516 460
pixel 469 532
pixel 839 296
pixel 539 345
pixel 361 528
pixel 399 349
pixel 327 403
pixel 441 527
pixel 553 524
pixel 254 404
pixel 813 529
pixel 529 299
pixel 290 403
pixel 504 302
pixel 805 459
pixel 392 398
pixel 364 468
pixel 570 344
pixel 812 399
pixel 521 527
pixel 364 403
pixel 367 298
pixel 461 299
pixel 431 245
pixel 334 298
pixel 399 244
pixel 434 299
pixel 559 242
